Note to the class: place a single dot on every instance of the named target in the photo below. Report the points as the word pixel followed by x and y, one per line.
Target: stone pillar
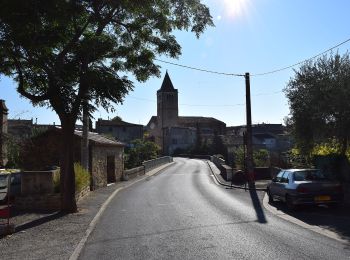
pixel 3 133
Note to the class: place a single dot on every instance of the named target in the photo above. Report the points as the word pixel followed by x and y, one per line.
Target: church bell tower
pixel 167 104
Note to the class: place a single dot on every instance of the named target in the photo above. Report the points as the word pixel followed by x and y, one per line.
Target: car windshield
pixel 309 175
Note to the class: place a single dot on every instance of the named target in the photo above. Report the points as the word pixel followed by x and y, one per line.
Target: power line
pixel 203 70
pixel 255 74
pixel 202 105
pixel 190 105
pixel 300 62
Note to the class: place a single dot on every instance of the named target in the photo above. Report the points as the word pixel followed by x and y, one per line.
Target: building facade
pixel 122 131
pixel 105 155
pixel 167 127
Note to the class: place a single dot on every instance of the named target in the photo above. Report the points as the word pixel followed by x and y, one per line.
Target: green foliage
pixel 82 178
pixel 63 53
pixel 140 151
pixel 318 98
pixel 13 152
pixel 260 157
pixel 117 118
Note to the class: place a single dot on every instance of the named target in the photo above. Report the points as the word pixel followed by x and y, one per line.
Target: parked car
pixel 304 187
pixel 15 188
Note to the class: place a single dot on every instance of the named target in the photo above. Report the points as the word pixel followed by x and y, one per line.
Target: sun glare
pixel 235 8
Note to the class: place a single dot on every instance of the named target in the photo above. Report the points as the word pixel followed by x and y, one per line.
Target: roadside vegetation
pixel 140 151
pixel 63 54
pixel 319 95
pixel 319 120
pixel 82 178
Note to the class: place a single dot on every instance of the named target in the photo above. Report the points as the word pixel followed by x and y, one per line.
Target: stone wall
pixel 151 164
pixel 226 171
pixel 134 172
pixel 48 201
pixel 99 156
pixel 37 182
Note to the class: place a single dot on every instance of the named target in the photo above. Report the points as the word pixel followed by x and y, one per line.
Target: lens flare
pixel 235 8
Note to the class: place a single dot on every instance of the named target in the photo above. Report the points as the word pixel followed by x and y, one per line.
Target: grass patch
pixel 82 178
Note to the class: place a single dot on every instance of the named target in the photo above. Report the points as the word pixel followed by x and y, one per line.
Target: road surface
pixel 183 214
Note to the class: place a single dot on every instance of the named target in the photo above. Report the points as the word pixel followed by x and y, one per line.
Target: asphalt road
pixel 183 214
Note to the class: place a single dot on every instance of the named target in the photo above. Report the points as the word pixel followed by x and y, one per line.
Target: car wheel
pixel 289 202
pixel 270 196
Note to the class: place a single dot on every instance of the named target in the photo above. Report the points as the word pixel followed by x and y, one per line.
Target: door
pixel 275 187
pixel 111 169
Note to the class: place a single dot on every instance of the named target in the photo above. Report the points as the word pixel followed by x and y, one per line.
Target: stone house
pixel 105 155
pixel 120 130
pixel 179 138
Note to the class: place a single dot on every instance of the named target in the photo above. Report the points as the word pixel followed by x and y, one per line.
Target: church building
pixel 171 131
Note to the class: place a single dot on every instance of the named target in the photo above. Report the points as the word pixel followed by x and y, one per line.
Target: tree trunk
pixel 68 203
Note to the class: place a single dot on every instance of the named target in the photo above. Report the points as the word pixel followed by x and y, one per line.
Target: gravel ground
pixel 52 235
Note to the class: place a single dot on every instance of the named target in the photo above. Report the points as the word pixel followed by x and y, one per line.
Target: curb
pixel 232 186
pixel 317 229
pixel 93 223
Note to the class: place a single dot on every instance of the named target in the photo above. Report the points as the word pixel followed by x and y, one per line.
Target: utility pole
pixel 249 160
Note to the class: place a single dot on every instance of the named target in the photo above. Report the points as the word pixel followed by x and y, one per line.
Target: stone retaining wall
pixel 151 164
pixel 226 171
pixel 49 201
pixel 37 182
pixel 134 172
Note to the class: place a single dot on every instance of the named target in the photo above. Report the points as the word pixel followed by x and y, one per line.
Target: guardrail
pixel 151 164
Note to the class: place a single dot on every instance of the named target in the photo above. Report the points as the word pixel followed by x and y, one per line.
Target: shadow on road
pixel 334 219
pixel 257 206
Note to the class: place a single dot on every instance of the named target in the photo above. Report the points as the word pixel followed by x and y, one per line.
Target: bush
pixel 82 178
pixel 140 151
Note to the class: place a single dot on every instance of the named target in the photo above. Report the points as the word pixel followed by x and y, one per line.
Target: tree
pixel 319 103
pixel 260 157
pixel 141 151
pixel 62 53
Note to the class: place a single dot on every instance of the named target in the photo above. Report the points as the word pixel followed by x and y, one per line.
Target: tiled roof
pixel 198 119
pixel 153 120
pixel 102 122
pixel 99 139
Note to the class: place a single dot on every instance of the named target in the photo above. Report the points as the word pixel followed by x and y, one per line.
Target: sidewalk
pixel 259 184
pixel 52 235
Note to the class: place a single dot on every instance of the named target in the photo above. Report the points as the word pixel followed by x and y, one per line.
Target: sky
pixel 254 36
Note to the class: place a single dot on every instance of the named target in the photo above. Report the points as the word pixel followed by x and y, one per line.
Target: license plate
pixel 322 198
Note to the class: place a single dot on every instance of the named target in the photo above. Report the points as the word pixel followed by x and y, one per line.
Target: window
pixel 309 175
pixel 279 176
pixel 285 177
